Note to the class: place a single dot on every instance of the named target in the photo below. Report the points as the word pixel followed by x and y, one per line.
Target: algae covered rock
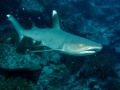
pixel 9 59
pixel 16 84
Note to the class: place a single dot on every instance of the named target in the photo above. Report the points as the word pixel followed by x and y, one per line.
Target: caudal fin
pixel 17 26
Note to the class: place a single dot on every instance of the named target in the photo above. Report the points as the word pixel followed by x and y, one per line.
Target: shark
pixel 57 39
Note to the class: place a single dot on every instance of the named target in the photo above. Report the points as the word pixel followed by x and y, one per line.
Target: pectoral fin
pixel 45 50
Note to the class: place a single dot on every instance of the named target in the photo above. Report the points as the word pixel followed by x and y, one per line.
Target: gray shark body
pixel 57 39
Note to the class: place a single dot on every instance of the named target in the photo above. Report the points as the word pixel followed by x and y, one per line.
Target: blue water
pixel 97 20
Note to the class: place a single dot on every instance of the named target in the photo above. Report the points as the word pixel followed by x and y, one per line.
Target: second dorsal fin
pixel 33 25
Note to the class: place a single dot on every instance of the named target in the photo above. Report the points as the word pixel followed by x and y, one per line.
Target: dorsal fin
pixel 55 20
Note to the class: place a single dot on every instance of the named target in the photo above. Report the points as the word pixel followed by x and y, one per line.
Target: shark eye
pixel 80 45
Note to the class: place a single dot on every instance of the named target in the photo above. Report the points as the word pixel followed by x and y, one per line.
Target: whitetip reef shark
pixel 56 39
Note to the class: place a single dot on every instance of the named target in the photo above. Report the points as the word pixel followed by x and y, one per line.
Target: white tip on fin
pixel 8 15
pixel 54 12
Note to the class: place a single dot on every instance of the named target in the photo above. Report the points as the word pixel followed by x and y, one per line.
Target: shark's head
pixel 82 49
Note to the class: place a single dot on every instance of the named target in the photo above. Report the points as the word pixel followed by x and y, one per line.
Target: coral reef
pixel 52 76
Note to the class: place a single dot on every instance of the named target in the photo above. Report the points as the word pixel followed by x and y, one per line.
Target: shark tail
pixel 17 26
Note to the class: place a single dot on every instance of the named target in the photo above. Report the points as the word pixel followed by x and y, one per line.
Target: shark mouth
pixel 88 52
pixel 92 50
